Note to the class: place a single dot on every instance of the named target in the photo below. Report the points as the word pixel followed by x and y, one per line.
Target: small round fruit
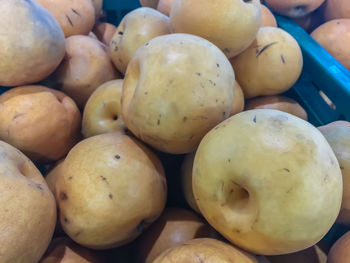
pixel 238 99
pixel 338 136
pixel 277 103
pixel 174 226
pixel 28 209
pixel 111 189
pixel 334 37
pixel 186 181
pixel 231 25
pixel 86 66
pixel 104 32
pixel 267 181
pixel 336 9
pixel 32 43
pixel 205 250
pixel 271 65
pixel 267 17
pixel 340 251
pixel 294 8
pixel 76 17
pixel 136 28
pixel 102 112
pixel 43 123
pixel 172 97
pixel 64 250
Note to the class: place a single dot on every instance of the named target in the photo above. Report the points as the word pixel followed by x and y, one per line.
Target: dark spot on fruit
pixel 66 221
pixel 70 177
pixel 110 196
pixel 202 86
pixel 184 119
pixel 77 234
pixel 18 115
pixel 120 33
pixel 117 156
pixel 342 168
pixel 116 48
pixel 247 1
pixel 254 120
pixel 198 74
pixel 265 48
pixel 69 20
pixel 103 178
pixel 283 60
pixel 217 127
pixel 115 118
pixel 158 122
pixel 229 160
pixel 222 186
pixel 75 11
pixel 218 65
pixel 146 93
pixel 63 196
pixel 147 44
pixel 223 113
pixel 39 187
pixel 201 260
pixel 286 169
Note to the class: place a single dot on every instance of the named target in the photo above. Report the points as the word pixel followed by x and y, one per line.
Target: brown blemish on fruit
pixel 75 11
pixel 110 196
pixel 184 119
pixel 65 220
pixel 286 169
pixel 283 60
pixel 69 20
pixel 39 187
pixel 265 48
pixel 198 74
pixel 18 115
pixel 63 196
pixel 199 258
pixel 117 156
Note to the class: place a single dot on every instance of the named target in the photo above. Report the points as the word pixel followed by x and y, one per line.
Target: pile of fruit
pixel 163 139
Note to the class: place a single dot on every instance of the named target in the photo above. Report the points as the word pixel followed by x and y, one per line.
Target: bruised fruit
pixel 276 190
pixel 233 23
pixel 188 96
pixel 111 189
pixel 136 28
pixel 43 123
pixel 32 43
pixel 271 65
pixel 102 112
pixel 174 226
pixel 28 209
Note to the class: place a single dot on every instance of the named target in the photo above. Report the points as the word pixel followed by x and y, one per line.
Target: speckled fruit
pixel 111 189
pixel 270 65
pixel 267 181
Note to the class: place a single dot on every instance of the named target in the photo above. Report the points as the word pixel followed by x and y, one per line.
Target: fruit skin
pixel 86 66
pixel 339 252
pixel 233 23
pixel 164 6
pixel 277 189
pixel 111 189
pixel 98 8
pixel 205 250
pixel 267 18
pixel 136 28
pixel 333 36
pixel 64 250
pixel 28 214
pixel 188 97
pixel 311 255
pixel 338 136
pixel 294 8
pixel 175 226
pixel 335 9
pixel 186 181
pixel 238 99
pixel 270 65
pixel 277 103
pixel 76 17
pixel 102 112
pixel 149 3
pixel 104 32
pixel 32 43
pixel 42 122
